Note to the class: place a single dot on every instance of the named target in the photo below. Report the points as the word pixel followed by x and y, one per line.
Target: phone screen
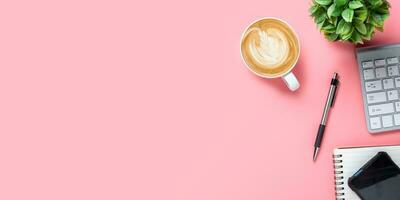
pixel 378 179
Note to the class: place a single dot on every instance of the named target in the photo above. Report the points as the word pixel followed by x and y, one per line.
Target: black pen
pixel 328 105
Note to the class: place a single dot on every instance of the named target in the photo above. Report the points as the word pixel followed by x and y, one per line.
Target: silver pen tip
pixel 315 153
pixel 335 75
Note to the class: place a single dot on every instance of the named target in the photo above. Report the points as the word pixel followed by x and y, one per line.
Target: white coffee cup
pixel 270 48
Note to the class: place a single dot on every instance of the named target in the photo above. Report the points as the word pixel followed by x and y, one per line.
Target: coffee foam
pixel 270 47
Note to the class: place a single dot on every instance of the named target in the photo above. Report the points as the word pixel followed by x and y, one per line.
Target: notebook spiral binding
pixel 338 170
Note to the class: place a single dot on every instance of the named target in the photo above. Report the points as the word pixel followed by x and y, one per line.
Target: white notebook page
pixel 352 159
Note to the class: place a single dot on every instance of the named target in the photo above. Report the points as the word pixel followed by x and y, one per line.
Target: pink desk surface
pixel 150 100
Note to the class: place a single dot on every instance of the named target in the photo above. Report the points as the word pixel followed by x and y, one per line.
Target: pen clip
pixel 334 92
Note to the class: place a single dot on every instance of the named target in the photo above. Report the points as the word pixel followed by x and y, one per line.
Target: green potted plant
pixel 354 21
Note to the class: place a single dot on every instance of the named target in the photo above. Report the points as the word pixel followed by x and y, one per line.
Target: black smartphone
pixel 378 179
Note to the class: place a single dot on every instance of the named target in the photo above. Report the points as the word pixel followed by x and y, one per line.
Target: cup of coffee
pixel 270 48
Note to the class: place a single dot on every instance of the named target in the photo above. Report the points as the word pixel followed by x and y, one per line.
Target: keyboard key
pixel 387 121
pixel 380 62
pixel 393 60
pixel 369 74
pixel 367 64
pixel 393 70
pixel 388 83
pixel 374 85
pixel 397 104
pixel 396 119
pixel 375 122
pixel 381 109
pixel 380 72
pixel 376 97
pixel 393 95
pixel 397 82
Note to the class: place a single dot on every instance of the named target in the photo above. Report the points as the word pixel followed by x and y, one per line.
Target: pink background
pixel 127 100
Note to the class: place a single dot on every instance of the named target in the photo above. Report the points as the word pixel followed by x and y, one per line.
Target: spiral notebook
pixel 348 161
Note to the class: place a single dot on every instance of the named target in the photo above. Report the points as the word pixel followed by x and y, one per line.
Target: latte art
pixel 270 49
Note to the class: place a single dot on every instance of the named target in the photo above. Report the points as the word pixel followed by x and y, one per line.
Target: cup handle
pixel 291 81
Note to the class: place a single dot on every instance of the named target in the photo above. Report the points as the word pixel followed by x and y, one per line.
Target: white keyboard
pixel 380 83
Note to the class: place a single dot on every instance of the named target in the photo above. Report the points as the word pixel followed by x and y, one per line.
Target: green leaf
pixel 348 15
pixel 320 10
pixel 323 2
pixel 339 28
pixel 341 2
pixel 365 37
pixel 343 27
pixel 355 4
pixel 361 15
pixel 333 20
pixel 370 29
pixel 331 37
pixel 356 38
pixel 329 28
pixel 313 9
pixel 320 18
pixel 375 3
pixel 361 28
pixel 370 32
pixel 334 11
pixel 347 35
pixel 349 29
pixel 384 9
pixel 377 19
pixel 349 20
pixel 331 9
pixel 320 25
pixel 369 19
pixel 368 35
pixel 385 17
